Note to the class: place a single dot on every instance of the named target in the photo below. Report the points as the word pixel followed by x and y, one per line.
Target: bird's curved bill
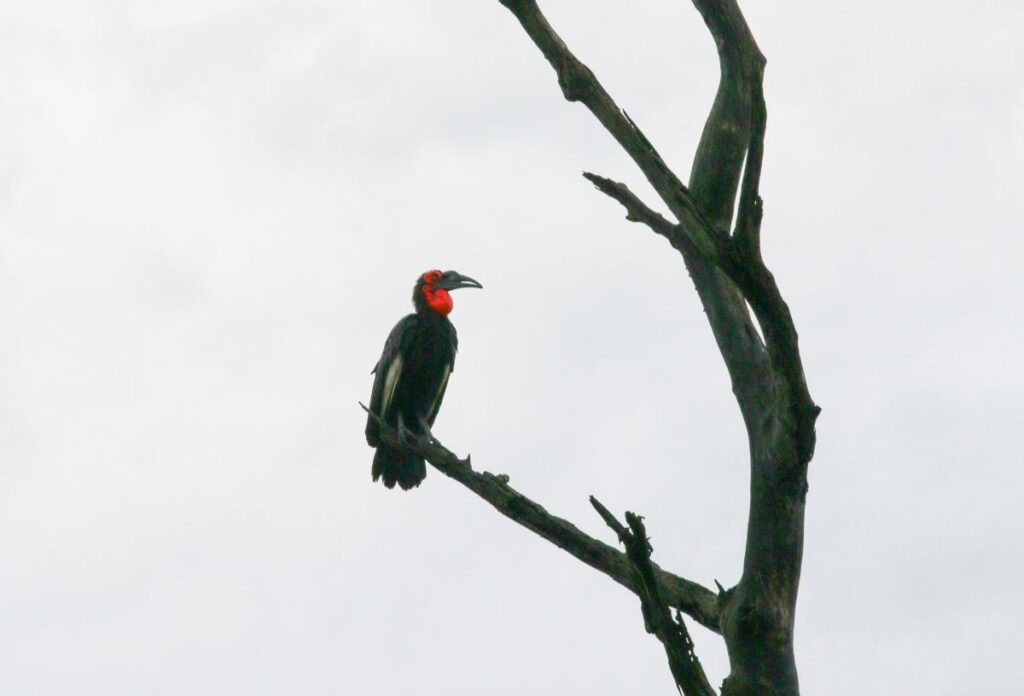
pixel 450 280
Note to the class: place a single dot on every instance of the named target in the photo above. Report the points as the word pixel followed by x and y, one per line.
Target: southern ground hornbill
pixel 411 376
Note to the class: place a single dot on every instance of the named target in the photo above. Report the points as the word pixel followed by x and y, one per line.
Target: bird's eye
pixel 431 277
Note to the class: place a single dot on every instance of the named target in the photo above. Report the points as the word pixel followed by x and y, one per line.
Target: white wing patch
pixel 440 390
pixel 390 382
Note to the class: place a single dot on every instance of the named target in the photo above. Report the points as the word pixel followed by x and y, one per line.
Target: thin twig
pixel 671 631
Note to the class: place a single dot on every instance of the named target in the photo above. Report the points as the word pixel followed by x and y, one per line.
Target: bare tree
pixel 756 616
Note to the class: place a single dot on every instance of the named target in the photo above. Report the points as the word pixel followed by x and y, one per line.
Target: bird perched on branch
pixel 411 377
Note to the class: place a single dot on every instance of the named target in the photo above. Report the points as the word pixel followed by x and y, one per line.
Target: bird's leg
pixel 427 434
pixel 407 436
pixel 404 434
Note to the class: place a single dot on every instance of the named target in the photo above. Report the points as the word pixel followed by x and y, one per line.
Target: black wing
pixel 435 406
pixel 387 372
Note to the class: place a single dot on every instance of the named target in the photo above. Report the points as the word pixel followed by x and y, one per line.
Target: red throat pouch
pixel 438 300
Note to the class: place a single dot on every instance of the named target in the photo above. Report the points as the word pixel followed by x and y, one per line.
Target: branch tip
pixel 609 519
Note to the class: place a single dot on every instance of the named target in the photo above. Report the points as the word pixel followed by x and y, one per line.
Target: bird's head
pixel 431 291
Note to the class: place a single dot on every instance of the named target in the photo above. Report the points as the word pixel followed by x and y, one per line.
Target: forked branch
pixel 579 83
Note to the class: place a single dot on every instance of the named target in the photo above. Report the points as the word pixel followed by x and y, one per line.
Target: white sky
pixel 211 214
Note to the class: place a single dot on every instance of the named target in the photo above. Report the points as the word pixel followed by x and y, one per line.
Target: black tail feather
pixel 395 466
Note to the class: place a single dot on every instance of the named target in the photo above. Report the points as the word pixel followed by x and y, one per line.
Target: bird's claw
pixel 427 437
pixel 408 437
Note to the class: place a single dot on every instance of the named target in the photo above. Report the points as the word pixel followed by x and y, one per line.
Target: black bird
pixel 411 377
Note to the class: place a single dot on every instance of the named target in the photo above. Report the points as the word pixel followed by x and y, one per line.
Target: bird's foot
pixel 408 437
pixel 428 435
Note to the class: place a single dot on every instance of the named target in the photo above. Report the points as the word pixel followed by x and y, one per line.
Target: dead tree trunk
pixel 723 257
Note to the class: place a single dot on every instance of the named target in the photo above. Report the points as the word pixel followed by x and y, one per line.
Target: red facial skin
pixel 438 300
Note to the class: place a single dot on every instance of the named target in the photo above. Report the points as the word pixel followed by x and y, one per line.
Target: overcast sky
pixel 213 211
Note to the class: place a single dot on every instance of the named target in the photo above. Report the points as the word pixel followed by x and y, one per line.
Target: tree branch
pixel 734 331
pixel 688 597
pixel 723 145
pixel 638 211
pixel 579 83
pixel 741 261
pixel 747 234
pixel 682 659
pixel 746 267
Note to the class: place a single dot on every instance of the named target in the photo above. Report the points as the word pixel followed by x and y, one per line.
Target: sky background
pixel 213 212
